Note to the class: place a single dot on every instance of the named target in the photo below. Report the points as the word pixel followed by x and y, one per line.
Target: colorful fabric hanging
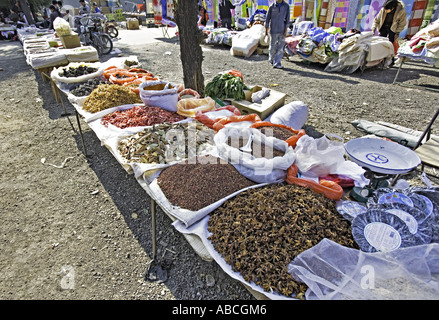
pixel 323 13
pixel 341 13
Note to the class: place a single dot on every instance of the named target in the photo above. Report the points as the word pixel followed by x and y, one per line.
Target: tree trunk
pixel 25 7
pixel 191 55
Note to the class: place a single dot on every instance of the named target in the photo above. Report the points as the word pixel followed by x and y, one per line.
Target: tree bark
pixel 26 11
pixel 191 55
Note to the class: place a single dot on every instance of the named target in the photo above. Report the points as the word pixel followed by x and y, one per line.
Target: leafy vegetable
pixel 225 85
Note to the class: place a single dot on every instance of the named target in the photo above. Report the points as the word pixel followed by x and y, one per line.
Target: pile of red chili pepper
pixel 128 77
pixel 140 116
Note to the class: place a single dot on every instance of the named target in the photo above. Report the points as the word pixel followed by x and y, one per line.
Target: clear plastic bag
pixel 334 272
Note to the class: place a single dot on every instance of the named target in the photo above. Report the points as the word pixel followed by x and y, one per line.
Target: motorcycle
pixel 111 30
pixel 91 32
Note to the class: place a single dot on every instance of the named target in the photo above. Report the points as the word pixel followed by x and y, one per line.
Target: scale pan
pixel 382 156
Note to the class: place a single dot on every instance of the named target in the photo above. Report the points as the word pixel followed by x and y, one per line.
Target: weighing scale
pixel 382 159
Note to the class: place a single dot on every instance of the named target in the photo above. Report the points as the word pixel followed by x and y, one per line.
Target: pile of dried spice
pixel 200 181
pixel 140 116
pixel 260 231
pixel 167 142
pixel 107 96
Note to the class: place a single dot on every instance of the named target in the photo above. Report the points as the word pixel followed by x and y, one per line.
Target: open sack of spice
pixel 191 189
pixel 255 243
pixel 160 145
pixel 76 72
pixel 130 119
pixel 266 160
pixel 159 93
pixel 334 272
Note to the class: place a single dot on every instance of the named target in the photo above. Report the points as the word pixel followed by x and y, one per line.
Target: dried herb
pixel 166 143
pixel 200 181
pixel 260 231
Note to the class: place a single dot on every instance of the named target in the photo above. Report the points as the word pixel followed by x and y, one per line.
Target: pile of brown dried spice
pixel 199 182
pixel 260 231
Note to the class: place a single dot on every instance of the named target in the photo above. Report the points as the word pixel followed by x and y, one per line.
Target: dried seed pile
pixel 166 143
pixel 260 231
pixel 84 89
pixel 108 96
pixel 200 181
pixel 277 132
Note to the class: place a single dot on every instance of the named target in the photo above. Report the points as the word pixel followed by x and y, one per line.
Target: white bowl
pixel 382 156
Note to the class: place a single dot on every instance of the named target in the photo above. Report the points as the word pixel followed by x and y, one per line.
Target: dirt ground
pixel 83 231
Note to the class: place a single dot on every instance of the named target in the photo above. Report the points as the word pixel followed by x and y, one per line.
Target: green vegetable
pixel 225 85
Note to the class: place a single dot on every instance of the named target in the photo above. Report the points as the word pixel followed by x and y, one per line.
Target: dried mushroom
pixel 260 231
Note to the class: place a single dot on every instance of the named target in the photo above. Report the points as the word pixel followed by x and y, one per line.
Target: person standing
pixel 69 18
pixel 54 13
pixel 276 23
pixel 225 14
pixel 84 9
pixel 95 8
pixel 390 21
pixel 203 16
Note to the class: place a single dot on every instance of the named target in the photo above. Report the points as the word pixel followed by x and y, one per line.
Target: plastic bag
pixel 334 272
pixel 159 94
pixel 257 169
pixel 189 107
pixel 423 199
pixel 261 94
pixel 318 157
pixel 293 114
pixel 62 27
pixel 208 118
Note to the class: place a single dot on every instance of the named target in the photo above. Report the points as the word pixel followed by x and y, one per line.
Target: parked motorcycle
pixel 111 30
pixel 91 32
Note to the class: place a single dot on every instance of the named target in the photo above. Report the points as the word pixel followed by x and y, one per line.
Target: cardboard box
pixel 132 24
pixel 263 108
pixel 70 41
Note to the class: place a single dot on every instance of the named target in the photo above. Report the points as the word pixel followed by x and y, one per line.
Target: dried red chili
pixel 140 116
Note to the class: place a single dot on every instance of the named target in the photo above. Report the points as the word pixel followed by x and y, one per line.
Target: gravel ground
pixel 83 231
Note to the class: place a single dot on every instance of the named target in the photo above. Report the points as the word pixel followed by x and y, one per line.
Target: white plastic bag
pixel 166 97
pixel 319 157
pixel 257 169
pixel 62 27
pixel 332 271
pixel 323 156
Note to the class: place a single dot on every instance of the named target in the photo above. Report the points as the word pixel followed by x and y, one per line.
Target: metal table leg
pixel 78 121
pixel 399 69
pixel 154 236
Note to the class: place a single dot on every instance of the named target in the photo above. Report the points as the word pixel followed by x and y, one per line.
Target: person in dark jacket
pixel 277 23
pixel 54 13
pixel 225 14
